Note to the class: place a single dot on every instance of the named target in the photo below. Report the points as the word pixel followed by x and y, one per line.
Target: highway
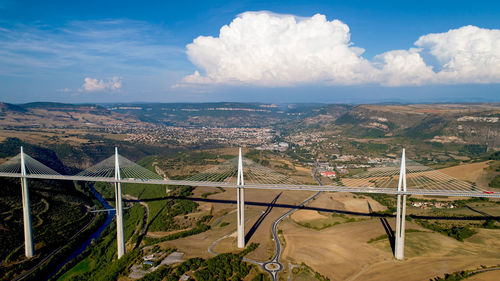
pixel 273 266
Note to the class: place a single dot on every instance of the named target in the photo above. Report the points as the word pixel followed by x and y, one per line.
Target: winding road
pixel 273 266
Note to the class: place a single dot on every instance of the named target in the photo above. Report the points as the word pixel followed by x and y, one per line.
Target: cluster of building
pixel 362 159
pixel 430 204
pixel 345 158
pixel 185 135
pixel 303 139
pixel 278 146
pixel 330 174
pixel 326 170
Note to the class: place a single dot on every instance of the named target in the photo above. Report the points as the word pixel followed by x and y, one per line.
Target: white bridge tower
pixel 29 248
pixel 120 239
pixel 241 203
pixel 399 243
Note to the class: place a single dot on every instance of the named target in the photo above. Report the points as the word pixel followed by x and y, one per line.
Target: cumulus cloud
pixel 95 85
pixel 403 67
pixel 262 48
pixel 466 54
pixel 270 49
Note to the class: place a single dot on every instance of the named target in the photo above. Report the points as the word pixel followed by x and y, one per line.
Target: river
pixel 93 236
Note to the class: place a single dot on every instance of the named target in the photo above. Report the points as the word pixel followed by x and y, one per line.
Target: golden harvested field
pixel 432 254
pixel 319 249
pixel 344 201
pixel 342 252
pixel 336 252
pixel 307 215
pixel 298 173
pixel 467 172
pixel 478 173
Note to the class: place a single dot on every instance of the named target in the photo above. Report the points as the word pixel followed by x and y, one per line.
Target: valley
pixel 319 241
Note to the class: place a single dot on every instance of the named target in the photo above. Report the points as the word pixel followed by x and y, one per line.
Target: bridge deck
pixel 327 188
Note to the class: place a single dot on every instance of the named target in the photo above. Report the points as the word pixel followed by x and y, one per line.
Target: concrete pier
pixel 29 248
pixel 399 244
pixel 120 239
pixel 240 194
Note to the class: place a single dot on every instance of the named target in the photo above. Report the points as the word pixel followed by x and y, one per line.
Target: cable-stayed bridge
pixel 421 180
pixel 401 178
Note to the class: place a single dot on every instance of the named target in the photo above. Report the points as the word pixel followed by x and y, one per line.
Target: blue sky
pixel 271 51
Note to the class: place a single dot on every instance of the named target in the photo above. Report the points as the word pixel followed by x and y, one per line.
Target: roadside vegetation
pixel 304 273
pixel 465 274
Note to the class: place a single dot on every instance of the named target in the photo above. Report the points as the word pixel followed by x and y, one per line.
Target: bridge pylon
pixel 120 239
pixel 240 194
pixel 399 243
pixel 29 248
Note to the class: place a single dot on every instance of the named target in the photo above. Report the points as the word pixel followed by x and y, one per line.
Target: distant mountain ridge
pixel 59 115
pixel 216 114
pixel 440 123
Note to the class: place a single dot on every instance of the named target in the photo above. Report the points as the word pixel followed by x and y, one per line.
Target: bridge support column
pixel 29 248
pixel 120 239
pixel 399 243
pixel 241 203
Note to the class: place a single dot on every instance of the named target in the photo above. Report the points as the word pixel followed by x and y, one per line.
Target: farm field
pixel 473 172
pixel 342 252
pixel 257 202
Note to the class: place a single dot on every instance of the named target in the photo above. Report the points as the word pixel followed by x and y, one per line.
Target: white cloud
pixel 95 85
pixel 467 55
pixel 402 67
pixel 262 48
pixel 276 50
